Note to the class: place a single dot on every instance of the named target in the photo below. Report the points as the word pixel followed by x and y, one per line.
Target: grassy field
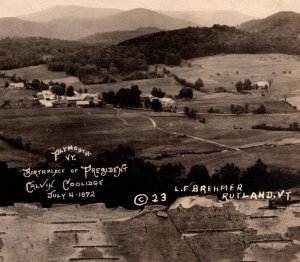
pixel 168 85
pixel 219 70
pixel 226 70
pixel 15 95
pixel 36 72
pixel 158 137
pixel 95 129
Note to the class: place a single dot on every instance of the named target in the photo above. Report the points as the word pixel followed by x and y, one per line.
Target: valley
pixel 224 136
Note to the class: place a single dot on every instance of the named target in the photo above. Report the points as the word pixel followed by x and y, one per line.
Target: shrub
pixel 156 105
pixel 220 89
pixel 238 109
pixel 212 110
pixel 186 92
pixel 190 112
pixel 260 110
pixel 198 84
pixel 157 92
pixel 202 119
pixel 199 174
pixel 239 86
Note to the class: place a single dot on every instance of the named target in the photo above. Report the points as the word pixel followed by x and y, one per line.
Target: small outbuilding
pixel 263 85
pixel 19 85
pixel 82 103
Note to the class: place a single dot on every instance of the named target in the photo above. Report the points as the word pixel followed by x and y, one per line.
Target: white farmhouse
pixel 45 95
pixel 17 86
pixel 168 104
pixel 263 85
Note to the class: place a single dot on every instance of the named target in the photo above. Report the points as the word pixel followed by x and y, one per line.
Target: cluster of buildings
pixel 167 104
pixel 48 99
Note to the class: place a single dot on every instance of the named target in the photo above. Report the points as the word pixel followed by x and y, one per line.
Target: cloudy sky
pixel 258 8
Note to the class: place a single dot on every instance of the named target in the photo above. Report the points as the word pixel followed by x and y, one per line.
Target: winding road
pixel 193 137
pixel 285 140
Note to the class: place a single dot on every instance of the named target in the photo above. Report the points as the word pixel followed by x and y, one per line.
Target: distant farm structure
pixel 263 85
pixel 167 104
pixel 16 86
pixel 49 99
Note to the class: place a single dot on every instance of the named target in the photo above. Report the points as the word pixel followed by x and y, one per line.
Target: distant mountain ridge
pixel 61 11
pixel 72 28
pixel 209 18
pixel 15 27
pixel 115 37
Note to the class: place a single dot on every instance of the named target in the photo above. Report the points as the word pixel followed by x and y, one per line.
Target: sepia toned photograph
pixel 150 131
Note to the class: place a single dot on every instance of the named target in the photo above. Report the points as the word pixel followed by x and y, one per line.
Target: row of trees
pixel 247 85
pixel 157 92
pixel 57 88
pixel 239 109
pixel 197 85
pixel 257 177
pixel 242 86
pixel 146 177
pixel 292 127
pixel 153 104
pixel 192 113
pixel 125 97
pixel 141 176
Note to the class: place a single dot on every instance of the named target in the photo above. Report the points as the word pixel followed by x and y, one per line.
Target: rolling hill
pixel 15 27
pixel 171 46
pixel 115 37
pixel 282 24
pixel 61 11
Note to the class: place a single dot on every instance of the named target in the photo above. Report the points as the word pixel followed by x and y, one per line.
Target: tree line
pixel 142 177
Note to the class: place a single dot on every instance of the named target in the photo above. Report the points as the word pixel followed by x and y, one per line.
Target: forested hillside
pixel 282 24
pixel 115 37
pixel 75 58
pixel 169 47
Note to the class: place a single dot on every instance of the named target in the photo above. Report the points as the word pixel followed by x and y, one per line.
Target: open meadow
pixel 226 70
pixel 35 72
pixel 154 135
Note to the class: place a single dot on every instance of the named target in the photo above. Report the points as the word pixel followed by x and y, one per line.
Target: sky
pixel 256 8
